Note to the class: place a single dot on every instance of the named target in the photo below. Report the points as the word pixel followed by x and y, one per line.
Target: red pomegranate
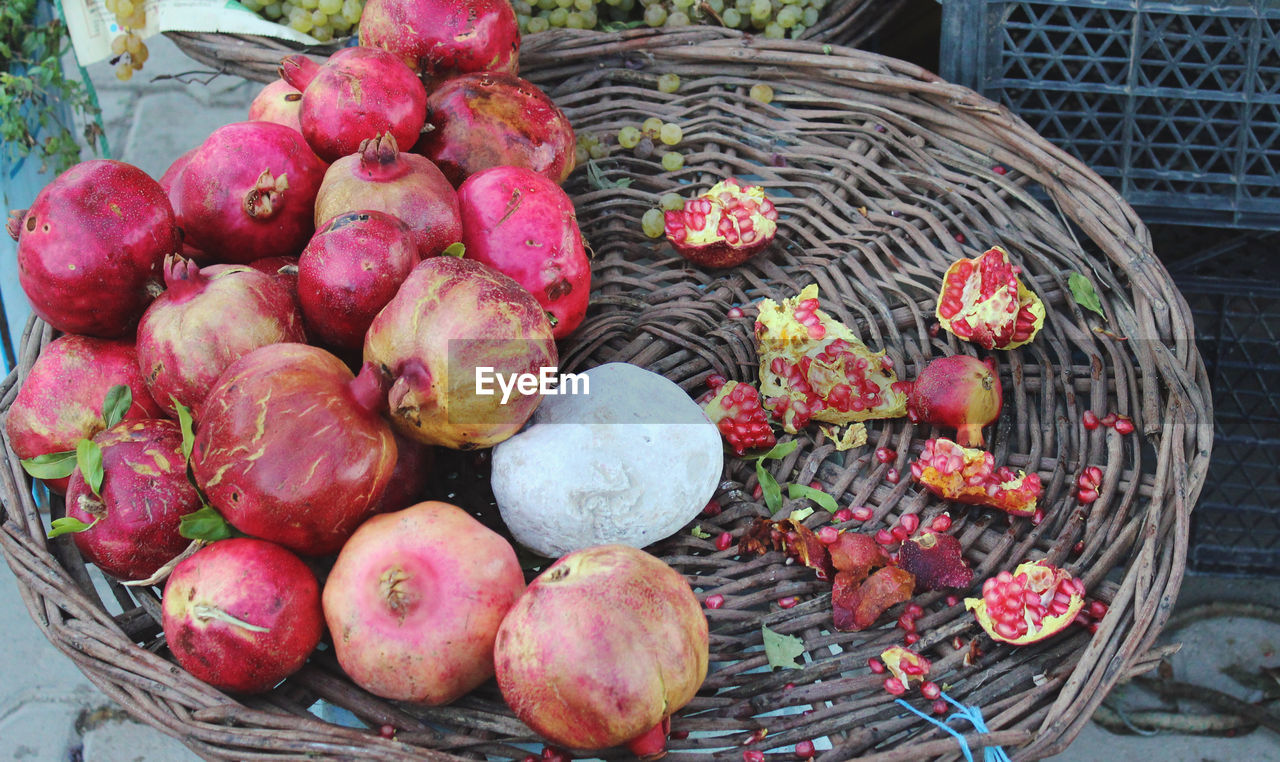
pixel 959 391
pixel 463 37
pixel 277 102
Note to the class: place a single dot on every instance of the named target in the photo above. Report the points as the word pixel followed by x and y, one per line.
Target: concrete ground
pixel 52 713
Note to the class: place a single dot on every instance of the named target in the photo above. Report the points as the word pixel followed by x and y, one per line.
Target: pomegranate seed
pixel 1037 517
pixel 885 455
pixel 912 638
pixel 679 735
pixel 910 522
pixel 957 643
pixel 752 755
pixel 940 523
pixel 885 537
pixel 712 508
pixel 804 750
pixel 939 707
pixel 960 238
pixel 387 731
pixel 553 754
pixel 891 476
pixel 1092 627
pixel 757 492
pixel 894 686
pixel 952 600
pixel 900 533
pixel 934 328
pixel 1086 496
pixel 828 535
pixel 723 541
pixel 1090 420
pixel 862 513
pixel 999 169
pixel 715 601
pixel 843 515
pixel 815 484
pixel 529 758
pixel 1108 420
pixel 789 602
pixel 930 690
pixel 1078 547
pixel 1097 609
pixel 734 312
pixel 1124 425
pixel 789 687
pixel 875 665
pixel 907 623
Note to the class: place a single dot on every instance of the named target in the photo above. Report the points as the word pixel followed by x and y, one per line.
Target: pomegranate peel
pixel 734 407
pixel 1033 602
pixel 968 475
pixel 983 301
pixel 723 227
pixel 936 560
pixel 905 664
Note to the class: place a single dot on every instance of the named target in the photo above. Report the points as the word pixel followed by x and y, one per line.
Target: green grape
pixel 677 19
pixel 682 5
pixel 810 16
pixel 671 134
pixel 322 33
pixel 583 5
pixel 626 5
pixel 301 22
pixel 613 3
pixel 797 30
pixel 732 18
pixel 818 4
pixel 566 4
pixel 716 6
pixel 597 151
pixel 671 201
pixel 319 19
pixel 547 5
pixel 339 23
pixel 743 6
pixel 329 7
pixel 789 16
pixel 761 92
pixel 558 17
pixel 589 18
pixel 522 8
pixel 655 15
pixel 668 83
pixel 538 24
pixel 629 137
pixel 651 125
pixel 310 5
pixel 672 161
pixel 652 222
pixel 272 11
pixel 761 10
pixel 580 156
pixel 253 5
pixel 773 31
pixel 351 12
pixel 575 21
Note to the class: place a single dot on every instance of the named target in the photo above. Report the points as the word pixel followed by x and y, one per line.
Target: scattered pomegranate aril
pixel 885 455
pixel 714 601
pixel 957 643
pixel 1078 547
pixel 940 523
pixel 930 690
pixel 828 535
pixel 862 513
pixel 387 731
pixel 910 522
pixel 734 313
pixel 1108 420
pixel 875 665
pixel 999 169
pixel 939 707
pixel 894 686
pixel 555 754
pixel 1086 496
pixel 1124 425
pixel 1097 609
pixel 952 600
pixel 913 610
pixel 911 638
pixel 885 537
pixel 891 476
pixel 752 755
pixel 788 603
pixel 712 508
pixel 907 623
pixel 804 750
pixel 1090 420
pixel 1037 518
pixel 757 492
pixel 900 533
pixel 843 515
pixel 723 541
pixel 736 411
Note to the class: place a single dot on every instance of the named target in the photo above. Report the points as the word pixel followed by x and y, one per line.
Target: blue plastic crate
pixel 1176 104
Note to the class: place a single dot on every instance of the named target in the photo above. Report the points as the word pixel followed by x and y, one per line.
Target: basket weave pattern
pixel 882 175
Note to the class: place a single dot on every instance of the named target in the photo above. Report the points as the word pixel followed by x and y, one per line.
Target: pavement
pixel 52 713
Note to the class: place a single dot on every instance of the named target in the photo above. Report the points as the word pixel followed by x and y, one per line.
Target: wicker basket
pixel 883 175
pixel 843 22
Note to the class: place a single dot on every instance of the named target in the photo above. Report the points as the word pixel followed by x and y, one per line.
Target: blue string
pixel 971 714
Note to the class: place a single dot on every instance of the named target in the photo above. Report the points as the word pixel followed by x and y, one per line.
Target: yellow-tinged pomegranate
pixel 983 301
pixel 905 664
pixel 723 227
pixel 1034 601
pixel 968 475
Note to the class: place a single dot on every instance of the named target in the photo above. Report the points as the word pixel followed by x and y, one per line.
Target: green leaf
pixel 89 461
pixel 618 26
pixel 768 486
pixel 185 423
pixel 51 465
pixel 816 495
pixel 119 400
pixel 1084 294
pixel 205 524
pixel 780 450
pixel 456 249
pixel 68 525
pixel 699 532
pixel 800 514
pixel 597 180
pixel 781 650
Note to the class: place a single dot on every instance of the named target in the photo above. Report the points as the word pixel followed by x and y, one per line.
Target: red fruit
pixel 715 601
pixel 814 368
pixel 958 391
pixel 379 177
pixel 410 476
pixel 910 522
pixel 930 690
pixel 886 455
pixel 175 169
pixel 970 476
pixel 522 224
pixel 143 495
pixel 349 271
pixel 843 515
pixel 936 560
pixel 1090 420
pixel 278 102
pixel 415 599
pixel 357 94
pixel 723 541
pixel 735 410
pixel 891 476
pixel 475 36
pixel 91 246
pixel 804 749
pixel 1108 420
pixel 913 610
pixel 788 603
pixel 204 321
pixel 862 513
pixel 1027 605
pixel 940 523
pixel 1037 518
pixel 604 646
pixel 1097 609
pixel 455 315
pixel 911 638
pixel 712 508
pixel 494 120
pixel 906 623
pixel 734 313
pixel 1124 425
pixel 752 755
pixel 248 193
pixel 894 686
pixel 291 447
pixel 875 665
pixel 60 401
pixel 723 227
pixel 242 614
pixel 284 270
pixel 983 301
pixel 939 707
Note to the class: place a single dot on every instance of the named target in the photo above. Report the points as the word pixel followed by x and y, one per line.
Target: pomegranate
pixel 144 492
pixel 410 476
pixel 812 367
pixel 959 391
pixel 406 186
pixel 415 599
pixel 284 270
pixel 602 649
pixel 185 339
pixel 175 169
pixel 968 475
pixel 451 317
pixel 478 35
pixel 723 227
pixel 291 448
pixel 350 270
pixel 242 614
pixel 278 102
pixel 61 400
pixel 906 665
pixel 494 120
pixel 1034 601
pixel 91 246
pixel 358 93
pixel 522 224
pixel 248 192
pixel 983 301
pixel 734 408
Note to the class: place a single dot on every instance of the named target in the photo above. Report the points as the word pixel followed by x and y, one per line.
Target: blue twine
pixel 971 714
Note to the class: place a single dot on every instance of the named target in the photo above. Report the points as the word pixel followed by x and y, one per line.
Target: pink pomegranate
pixel 350 270
pixel 415 599
pixel 291 448
pixel 492 120
pixel 958 391
pixel 248 192
pixel 144 492
pixel 91 246
pixel 204 321
pixel 463 37
pixel 404 185
pixel 61 400
pixel 451 317
pixel 359 93
pixel 175 169
pixel 242 614
pixel 278 102
pixel 283 269
pixel 522 224
pixel 602 649
pixel 410 477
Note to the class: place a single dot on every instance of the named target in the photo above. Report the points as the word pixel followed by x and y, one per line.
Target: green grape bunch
pixel 128 51
pixel 325 20
pixel 775 19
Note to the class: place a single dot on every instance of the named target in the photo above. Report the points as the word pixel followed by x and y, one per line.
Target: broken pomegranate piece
pixel 983 301
pixel 968 475
pixel 812 367
pixel 936 560
pixel 723 227
pixel 1034 601
pixel 905 664
pixel 734 407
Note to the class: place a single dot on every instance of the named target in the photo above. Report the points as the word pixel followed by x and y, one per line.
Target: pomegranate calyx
pixel 369 388
pixel 298 70
pixel 182 278
pixel 13 225
pixel 266 196
pixel 380 158
pixel 652 744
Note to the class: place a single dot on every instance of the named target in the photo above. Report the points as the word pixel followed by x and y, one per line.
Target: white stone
pixel 631 462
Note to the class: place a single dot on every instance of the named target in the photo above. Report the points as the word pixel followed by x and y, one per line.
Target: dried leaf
pixel 781 650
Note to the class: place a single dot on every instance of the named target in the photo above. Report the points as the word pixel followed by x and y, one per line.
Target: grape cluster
pixel 775 19
pixel 127 48
pixel 324 20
